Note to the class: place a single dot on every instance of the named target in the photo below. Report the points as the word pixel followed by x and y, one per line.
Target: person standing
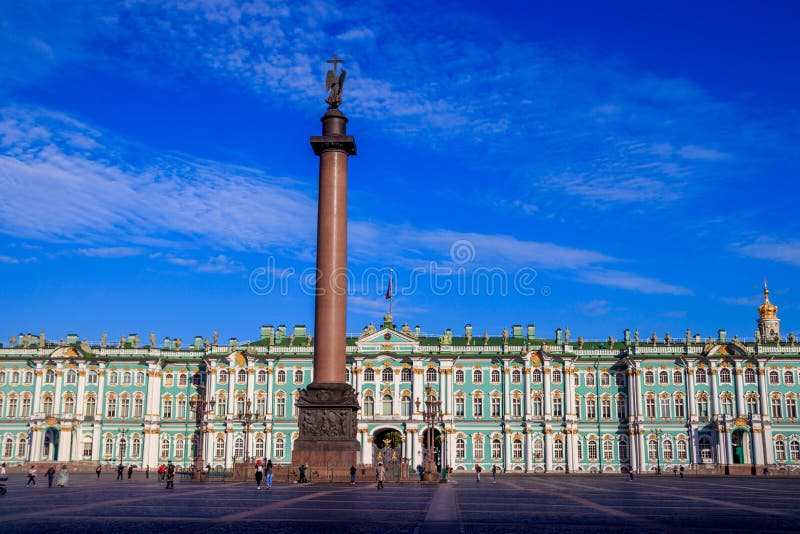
pixel 681 471
pixel 302 470
pixel 259 473
pixel 63 477
pixel 380 474
pixel 170 475
pixel 98 470
pixel 352 475
pixel 161 471
pixel 3 476
pixel 50 474
pixel 130 471
pixel 478 470
pixel 120 469
pixel 494 474
pixel 268 471
pixel 31 476
pixel 420 471
pixel 147 471
pixel 630 473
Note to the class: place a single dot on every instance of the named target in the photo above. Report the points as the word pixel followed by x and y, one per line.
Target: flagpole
pixel 391 297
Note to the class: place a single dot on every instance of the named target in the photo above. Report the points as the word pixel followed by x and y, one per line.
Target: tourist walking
pixel 630 473
pixel 494 474
pixel 98 470
pixel 50 474
pixel 31 477
pixel 170 472
pixel 120 470
pixel 63 477
pixel 302 470
pixel 161 471
pixel 380 473
pixel 3 476
pixel 259 473
pixel 130 471
pixel 420 470
pixel 681 471
pixel 268 473
pixel 352 475
pixel 478 470
pixel 147 471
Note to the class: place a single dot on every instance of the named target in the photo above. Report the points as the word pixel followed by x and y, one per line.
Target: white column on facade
pixel 101 392
pixel 356 377
pixel 80 398
pixel 763 392
pixel 270 389
pixel 691 402
pixel 57 395
pixel 229 447
pixel 548 449
pixel 758 444
pixel 38 378
pixel 506 389
pixel 65 443
pixel 97 441
pixel 712 380
pixel 770 445
pixel 77 443
pixel 507 455
pixel 569 391
pixel 396 392
pixel 526 376
pixel 528 448
pixel 268 442
pixel 232 389
pixel 418 391
pixel 548 402
pixel 35 446
pixel 739 391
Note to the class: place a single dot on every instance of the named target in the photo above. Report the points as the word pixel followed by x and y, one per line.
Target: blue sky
pixel 596 166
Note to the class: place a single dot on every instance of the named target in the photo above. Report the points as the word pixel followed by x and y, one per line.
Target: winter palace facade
pixel 515 400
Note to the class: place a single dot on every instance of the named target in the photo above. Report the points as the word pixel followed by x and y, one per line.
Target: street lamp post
pixel 658 432
pixel 122 442
pixel 433 417
pixel 247 418
pixel 205 409
pixel 725 443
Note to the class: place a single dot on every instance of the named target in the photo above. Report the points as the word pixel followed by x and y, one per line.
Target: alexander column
pixel 327 408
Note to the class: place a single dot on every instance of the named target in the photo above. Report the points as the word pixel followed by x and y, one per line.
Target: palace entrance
pixel 387 447
pixel 740 446
pixel 50 445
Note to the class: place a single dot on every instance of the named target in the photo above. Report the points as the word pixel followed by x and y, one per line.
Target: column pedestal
pixel 327 424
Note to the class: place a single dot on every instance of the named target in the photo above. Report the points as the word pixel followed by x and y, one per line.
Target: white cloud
pixel 595 308
pixel 698 152
pixel 111 252
pixel 773 250
pixel 631 282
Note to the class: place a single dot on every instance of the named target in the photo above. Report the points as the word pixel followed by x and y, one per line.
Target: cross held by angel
pixel 334 82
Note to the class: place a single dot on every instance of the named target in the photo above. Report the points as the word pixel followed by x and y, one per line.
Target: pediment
pixel 387 340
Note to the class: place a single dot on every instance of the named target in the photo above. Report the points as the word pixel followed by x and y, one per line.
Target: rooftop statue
pixel 334 82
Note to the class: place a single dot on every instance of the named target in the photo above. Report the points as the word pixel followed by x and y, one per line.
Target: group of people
pixel 478 470
pixel 264 472
pixel 63 476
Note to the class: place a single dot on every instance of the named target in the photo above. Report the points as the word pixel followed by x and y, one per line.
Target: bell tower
pixel 769 326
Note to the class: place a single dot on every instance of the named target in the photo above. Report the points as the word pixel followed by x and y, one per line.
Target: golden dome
pixel 767 310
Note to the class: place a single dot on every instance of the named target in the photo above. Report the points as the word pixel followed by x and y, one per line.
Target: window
pixel 664 406
pixel 516 376
pixel 700 376
pixel 663 378
pixel 280 406
pixel 477 376
pixel 280 378
pixel 12 407
pixel 166 408
pixel 26 407
pixel 386 405
pixel 683 453
pixel 169 380
pixel 788 378
pixel 558 449
pixel 138 407
pixel 49 377
pixel 622 449
pixel 667 448
pixel 91 406
pixel 405 406
pixel 71 377
pixel 459 406
pixel 724 376
pixel 405 375
pixel 298 376
pixel 622 412
pixel 497 449
pixel 219 448
pixel 727 405
pixel 238 447
pixel 777 411
pixel 536 407
pixel 579 444
pixel 774 378
pixel 47 405
pixel 495 376
pixel 591 408
pixel 589 379
pixel 2 377
pixel 109 447
pixel 369 406
pixel 536 376
pixel 15 377
pixel 477 407
pixel 347 375
pixel 791 407
pixel 591 448
pixel 125 407
pixel 538 448
pixel 558 408
pixel 222 406
pixel 91 377
pixel 223 376
pixel 181 411
pixel 111 406
pixel 495 404
pixel 680 410
pixel 516 450
pixel 136 447
pixel 780 451
pixel 180 448
pixel 8 448
pixel 87 447
pixel 183 380
pixel 705 448
pixel 459 376
pixel 140 378
pixel 619 380
pixel 461 449
pixel 608 450
pixel 431 375
pixel 477 447
pixel 369 375
pixel 556 376
pixel 702 407
pixel 749 376
pixel 605 380
pixel 261 378
pixel 606 407
pixel 261 406
pixel 650 407
pixel 259 452
pixel 677 378
pixel 752 404
pixel 794 450
pixel 649 378
pixel 164 447
pixel 126 378
pixel 652 450
pixel 516 407
pixel 387 375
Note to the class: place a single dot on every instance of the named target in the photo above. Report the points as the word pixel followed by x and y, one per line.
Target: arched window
pixel 649 378
pixel 495 406
pixel 183 380
pixel 166 408
pixel 368 406
pixel 136 447
pixel 138 407
pixel 556 376
pixel 606 408
pixel 794 450
pixel 405 374
pixel 591 408
pixel 622 449
pixel 140 378
pixel 608 450
pixel 680 410
pixel 223 376
pixel 22 447
pixel 26 406
pixel 652 450
pixel 387 375
pixel 558 449
pixel 126 378
pixel 477 406
pixel 558 405
pixel 591 448
pixel 219 447
pixel 749 376
pixel 477 376
pixel 405 406
pixel 87 447
pixel 650 406
pixel 788 378
pixel 516 406
pixel 538 448
pixel 589 379
pixel 461 449
pixel 241 376
pixel 369 374
pixel 477 447
pixel 663 377
pixel 497 449
pixel 280 377
pixel 780 451
pixel 431 375
pixel 69 404
pixel 774 377
pixel 516 376
pixel 516 450
pixel 47 405
pixel 91 377
pixel 459 376
pixel 386 405
pixel 705 448
pixel 667 448
pixel 605 380
pixel 537 406
pixel 677 378
pixel 683 454
pixel 222 405
pixel 259 452
pixel 700 376
pixel 724 376
pixel 727 405
pixel 777 408
pixel 108 451
pixel 495 376
pixel 8 447
pixel 261 376
pixel 180 448
pixel 280 406
pixel 536 376
pixel 298 376
pixel 49 376
pixel 702 406
pixel 169 380
pixel 279 447
pixel 165 447
pixel 71 377
pixel 238 447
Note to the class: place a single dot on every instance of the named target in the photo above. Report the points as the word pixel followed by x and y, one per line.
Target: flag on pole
pixel 389 289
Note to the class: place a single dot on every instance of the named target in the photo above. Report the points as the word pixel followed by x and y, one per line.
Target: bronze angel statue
pixel 334 83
